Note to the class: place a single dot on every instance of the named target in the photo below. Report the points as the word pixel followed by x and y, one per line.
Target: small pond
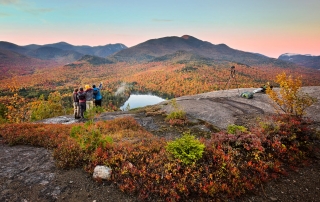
pixel 136 101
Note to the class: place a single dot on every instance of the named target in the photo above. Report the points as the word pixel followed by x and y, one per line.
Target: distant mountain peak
pixel 296 54
pixel 186 36
pixel 62 43
pixel 306 60
pixel 289 54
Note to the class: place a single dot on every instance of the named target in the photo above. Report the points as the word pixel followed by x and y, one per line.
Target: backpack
pixel 247 95
pixel 82 96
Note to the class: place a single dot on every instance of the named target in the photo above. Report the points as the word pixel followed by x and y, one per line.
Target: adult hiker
pixel 97 94
pixel 82 102
pixel 89 97
pixel 76 109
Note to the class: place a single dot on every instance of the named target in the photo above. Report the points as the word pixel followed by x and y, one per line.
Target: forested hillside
pixel 169 67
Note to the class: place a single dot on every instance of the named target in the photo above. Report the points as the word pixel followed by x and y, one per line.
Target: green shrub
pixel 3 112
pixel 176 115
pixel 233 129
pixel 89 137
pixel 93 113
pixel 187 148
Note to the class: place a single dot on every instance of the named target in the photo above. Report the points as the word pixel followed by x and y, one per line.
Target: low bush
pixel 221 167
pixel 187 149
pixel 233 129
pixel 89 137
pixel 177 116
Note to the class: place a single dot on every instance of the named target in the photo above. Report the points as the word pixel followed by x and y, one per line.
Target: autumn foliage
pixel 224 165
pixel 289 99
pixel 229 164
pixel 167 79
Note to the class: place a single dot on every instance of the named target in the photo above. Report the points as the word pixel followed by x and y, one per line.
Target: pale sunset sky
pixel 268 27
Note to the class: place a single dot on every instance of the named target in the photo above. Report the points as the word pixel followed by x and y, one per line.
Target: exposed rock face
pixel 222 108
pixel 25 167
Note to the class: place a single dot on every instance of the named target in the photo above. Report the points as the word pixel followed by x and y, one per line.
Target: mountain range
pixel 61 52
pixel 13 63
pixel 303 60
pixel 174 49
pixel 164 48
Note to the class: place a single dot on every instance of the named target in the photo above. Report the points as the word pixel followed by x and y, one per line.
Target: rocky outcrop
pixel 222 108
pixel 219 108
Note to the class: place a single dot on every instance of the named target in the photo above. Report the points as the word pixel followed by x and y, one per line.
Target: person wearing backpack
pixel 97 94
pixel 89 97
pixel 76 109
pixel 82 102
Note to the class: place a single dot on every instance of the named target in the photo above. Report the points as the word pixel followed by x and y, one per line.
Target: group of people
pixel 85 99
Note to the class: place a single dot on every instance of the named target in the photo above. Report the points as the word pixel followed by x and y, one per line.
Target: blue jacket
pixel 98 96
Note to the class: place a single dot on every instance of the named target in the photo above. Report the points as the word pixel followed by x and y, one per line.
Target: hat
pixel 86 87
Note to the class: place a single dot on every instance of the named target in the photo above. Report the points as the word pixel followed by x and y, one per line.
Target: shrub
pixel 89 137
pixel 177 116
pixel 93 113
pixel 68 154
pixel 187 148
pixel 233 129
pixel 3 112
pixel 290 100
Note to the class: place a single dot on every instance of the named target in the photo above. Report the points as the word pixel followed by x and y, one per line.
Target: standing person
pixel 97 95
pixel 76 110
pixel 89 97
pixel 82 102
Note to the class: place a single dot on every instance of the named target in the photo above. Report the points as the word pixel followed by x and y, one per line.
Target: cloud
pixel 4 14
pixel 25 7
pixel 9 2
pixel 38 11
pixel 161 20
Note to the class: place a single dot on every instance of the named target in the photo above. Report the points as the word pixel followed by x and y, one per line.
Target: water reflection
pixel 136 101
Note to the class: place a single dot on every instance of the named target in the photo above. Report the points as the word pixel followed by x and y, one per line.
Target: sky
pixel 268 27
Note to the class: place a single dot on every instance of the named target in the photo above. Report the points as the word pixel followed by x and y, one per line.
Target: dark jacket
pixel 82 94
pixel 75 97
pixel 89 94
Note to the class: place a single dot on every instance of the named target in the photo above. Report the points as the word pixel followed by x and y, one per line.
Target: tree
pixel 289 99
pixel 42 109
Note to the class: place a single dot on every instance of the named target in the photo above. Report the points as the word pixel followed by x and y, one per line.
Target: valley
pixel 37 83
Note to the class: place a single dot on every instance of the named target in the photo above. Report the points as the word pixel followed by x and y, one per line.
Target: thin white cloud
pixel 38 11
pixel 25 7
pixel 4 14
pixel 9 2
pixel 161 20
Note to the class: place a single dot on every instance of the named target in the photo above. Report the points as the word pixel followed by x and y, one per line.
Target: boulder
pixel 102 172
